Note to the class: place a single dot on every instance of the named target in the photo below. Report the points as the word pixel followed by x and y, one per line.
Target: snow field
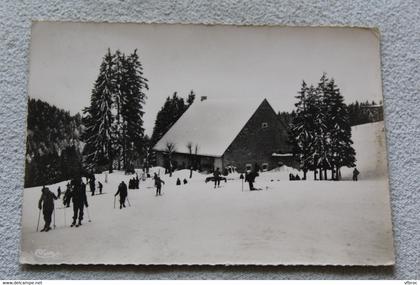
pixel 290 222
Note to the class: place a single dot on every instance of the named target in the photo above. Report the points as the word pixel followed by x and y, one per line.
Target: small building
pixel 226 134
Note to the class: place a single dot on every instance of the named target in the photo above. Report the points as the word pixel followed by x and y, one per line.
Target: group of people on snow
pixel 134 183
pixel 178 181
pixel 75 193
pixel 294 177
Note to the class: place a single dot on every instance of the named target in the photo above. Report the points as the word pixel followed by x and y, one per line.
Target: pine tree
pixel 299 133
pixel 171 111
pixel 191 98
pixel 321 130
pixel 98 121
pixel 321 137
pixel 314 127
pixel 341 150
pixel 130 98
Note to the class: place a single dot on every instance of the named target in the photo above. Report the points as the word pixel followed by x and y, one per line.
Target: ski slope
pixel 288 222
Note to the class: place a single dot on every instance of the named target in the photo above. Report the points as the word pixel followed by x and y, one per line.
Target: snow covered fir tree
pixel 321 130
pixel 114 132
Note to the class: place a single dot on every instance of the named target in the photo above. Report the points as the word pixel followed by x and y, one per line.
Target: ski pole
pixel 87 208
pixel 39 216
pixel 128 202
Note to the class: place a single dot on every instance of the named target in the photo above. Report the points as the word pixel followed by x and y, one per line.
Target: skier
pixel 158 184
pixel 46 203
pixel 79 199
pixel 137 180
pixel 355 174
pixel 58 192
pixel 250 178
pixel 67 196
pixel 92 184
pixel 185 181
pixel 122 191
pixel 178 181
pixel 100 186
pixel 216 176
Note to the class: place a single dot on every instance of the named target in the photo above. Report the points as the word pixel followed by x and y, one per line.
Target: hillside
pixel 288 222
pixel 52 144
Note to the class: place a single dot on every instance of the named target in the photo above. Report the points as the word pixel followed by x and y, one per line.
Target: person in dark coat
pixel 46 203
pixel 67 196
pixel 291 177
pixel 79 200
pixel 216 176
pixel 355 174
pixel 250 178
pixel 100 186
pixel 122 191
pixel 158 184
pixel 58 192
pixel 178 181
pixel 185 181
pixel 297 177
pixel 137 180
pixel 92 184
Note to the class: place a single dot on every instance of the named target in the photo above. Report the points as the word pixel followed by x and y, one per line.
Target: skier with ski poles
pixel 122 191
pixel 158 184
pixel 100 186
pixel 46 203
pixel 79 199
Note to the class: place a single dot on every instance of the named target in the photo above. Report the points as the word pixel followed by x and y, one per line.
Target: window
pixel 264 125
pixel 264 166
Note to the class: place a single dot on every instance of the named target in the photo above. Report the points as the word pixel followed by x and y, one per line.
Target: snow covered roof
pixel 210 124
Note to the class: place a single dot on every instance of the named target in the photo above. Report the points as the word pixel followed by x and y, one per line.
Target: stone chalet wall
pixel 256 143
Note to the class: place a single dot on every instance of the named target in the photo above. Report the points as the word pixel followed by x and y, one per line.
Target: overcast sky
pixel 214 61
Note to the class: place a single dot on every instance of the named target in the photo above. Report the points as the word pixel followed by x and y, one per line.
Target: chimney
pixel 203 98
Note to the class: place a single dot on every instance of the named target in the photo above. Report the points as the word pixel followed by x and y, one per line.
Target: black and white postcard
pixel 196 144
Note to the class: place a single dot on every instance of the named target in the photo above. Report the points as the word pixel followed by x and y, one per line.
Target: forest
pixel 53 145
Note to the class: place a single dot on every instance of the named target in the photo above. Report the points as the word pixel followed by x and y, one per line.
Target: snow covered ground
pixel 288 222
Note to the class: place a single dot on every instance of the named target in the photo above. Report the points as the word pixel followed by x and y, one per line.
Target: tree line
pixel 53 148
pixel 359 113
pixel 320 130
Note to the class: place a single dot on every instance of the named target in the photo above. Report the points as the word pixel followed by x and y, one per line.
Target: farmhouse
pixel 226 134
